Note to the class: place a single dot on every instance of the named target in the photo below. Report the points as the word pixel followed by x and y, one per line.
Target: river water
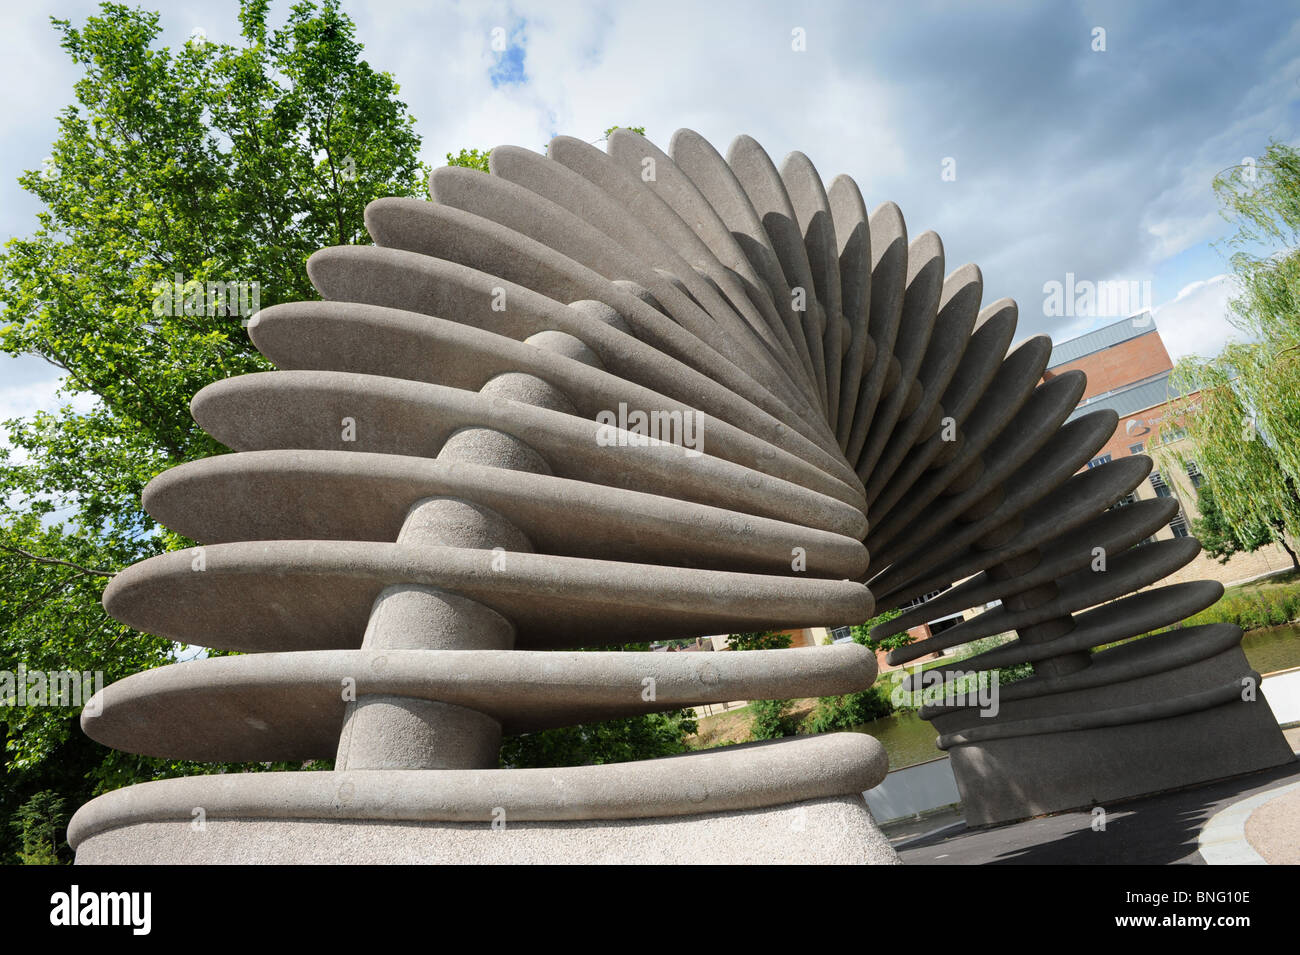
pixel 908 739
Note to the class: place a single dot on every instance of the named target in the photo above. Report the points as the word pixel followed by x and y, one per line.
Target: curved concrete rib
pixel 365 339
pixel 291 706
pixel 342 495
pixel 1130 571
pixel 338 411
pixel 429 507
pixel 1111 623
pixel 851 229
pixel 730 779
pixel 308 595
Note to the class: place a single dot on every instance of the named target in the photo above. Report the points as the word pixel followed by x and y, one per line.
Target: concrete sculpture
pixel 602 397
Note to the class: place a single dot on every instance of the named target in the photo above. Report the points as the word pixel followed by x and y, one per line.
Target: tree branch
pixel 55 561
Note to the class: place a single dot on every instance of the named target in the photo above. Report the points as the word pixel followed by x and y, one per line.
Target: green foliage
pixel 470 159
pixel 39 824
pixel 613 741
pixel 1243 420
pixel 1010 674
pixel 1267 607
pixel 759 640
pixel 220 163
pixel 1250 607
pixel 639 130
pixel 771 719
pixel 850 710
pixel 862 633
pixel 1218 538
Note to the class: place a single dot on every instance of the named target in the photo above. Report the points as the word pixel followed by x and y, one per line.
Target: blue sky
pixel 1068 159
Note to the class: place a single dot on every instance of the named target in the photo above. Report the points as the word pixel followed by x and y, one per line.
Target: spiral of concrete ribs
pixel 603 397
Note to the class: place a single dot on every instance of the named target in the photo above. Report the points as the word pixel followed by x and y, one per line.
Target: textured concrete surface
pixel 734 778
pixel 289 706
pixel 836 831
pixel 429 489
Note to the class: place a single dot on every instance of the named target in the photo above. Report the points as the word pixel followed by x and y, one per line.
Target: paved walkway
pixel 1273 830
pixel 1257 830
pixel 1154 830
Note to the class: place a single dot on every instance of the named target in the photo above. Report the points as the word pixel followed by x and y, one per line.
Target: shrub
pixel 759 640
pixel 862 633
pixel 40 823
pixel 771 720
pixel 847 711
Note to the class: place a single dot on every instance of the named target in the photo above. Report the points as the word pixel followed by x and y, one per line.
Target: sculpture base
pixel 790 800
pixel 1005 780
pixel 833 831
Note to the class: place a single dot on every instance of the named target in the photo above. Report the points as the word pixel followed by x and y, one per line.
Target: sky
pixel 1045 142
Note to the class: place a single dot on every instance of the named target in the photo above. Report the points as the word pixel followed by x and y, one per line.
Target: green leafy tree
pixel 470 159
pixel 771 719
pixel 1242 407
pixel 1220 539
pixel 611 741
pixel 759 640
pixel 39 824
pixel 862 633
pixel 216 167
pixel 849 710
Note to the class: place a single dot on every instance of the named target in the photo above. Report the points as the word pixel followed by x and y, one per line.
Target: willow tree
pixel 1242 407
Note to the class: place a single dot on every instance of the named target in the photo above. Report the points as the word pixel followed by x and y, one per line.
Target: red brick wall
pixel 1123 364
pixel 1145 431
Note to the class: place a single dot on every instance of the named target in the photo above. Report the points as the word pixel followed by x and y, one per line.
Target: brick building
pixel 1128 371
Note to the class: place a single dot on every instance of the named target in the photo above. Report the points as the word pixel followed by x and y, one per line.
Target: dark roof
pixel 1106 337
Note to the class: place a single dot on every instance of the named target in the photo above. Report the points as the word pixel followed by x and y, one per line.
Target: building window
pixel 947 623
pixel 1179 526
pixel 1136 448
pixel 841 633
pixel 1194 474
pixel 1159 486
pixel 1173 434
pixel 1129 498
pixel 917 601
pixel 1097 461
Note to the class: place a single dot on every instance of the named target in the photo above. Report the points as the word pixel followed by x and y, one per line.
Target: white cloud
pixel 1195 321
pixel 1068 161
pixel 28 385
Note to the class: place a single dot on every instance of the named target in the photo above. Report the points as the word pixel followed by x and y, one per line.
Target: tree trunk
pixel 1281 539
